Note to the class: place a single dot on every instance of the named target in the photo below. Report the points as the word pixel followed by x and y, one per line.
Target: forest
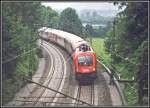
pixel 125 40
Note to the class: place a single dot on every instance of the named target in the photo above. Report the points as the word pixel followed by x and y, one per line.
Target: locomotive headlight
pixel 93 69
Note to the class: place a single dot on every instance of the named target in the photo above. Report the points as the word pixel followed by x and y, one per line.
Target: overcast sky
pixel 81 5
pixel 108 6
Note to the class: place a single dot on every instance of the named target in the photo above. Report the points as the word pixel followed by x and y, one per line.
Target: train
pixel 83 56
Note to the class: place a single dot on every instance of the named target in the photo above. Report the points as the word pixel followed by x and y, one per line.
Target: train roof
pixel 74 39
pixel 42 29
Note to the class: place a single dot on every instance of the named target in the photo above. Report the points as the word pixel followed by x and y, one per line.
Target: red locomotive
pixel 84 63
pixel 84 58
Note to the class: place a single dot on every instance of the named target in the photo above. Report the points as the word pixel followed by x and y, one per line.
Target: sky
pixel 103 6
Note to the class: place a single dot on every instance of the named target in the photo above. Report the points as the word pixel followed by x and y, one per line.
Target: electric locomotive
pixel 85 63
pixel 84 58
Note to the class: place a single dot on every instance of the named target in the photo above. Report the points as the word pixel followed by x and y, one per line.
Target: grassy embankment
pixel 99 48
pixel 130 90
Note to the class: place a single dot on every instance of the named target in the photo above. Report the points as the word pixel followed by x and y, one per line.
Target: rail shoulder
pixel 115 82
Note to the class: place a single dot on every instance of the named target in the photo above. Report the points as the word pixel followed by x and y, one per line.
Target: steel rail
pixel 44 102
pixel 115 82
pixel 63 73
pixel 49 77
pixel 36 99
pixel 78 96
pixel 92 93
pixel 57 91
pixel 40 97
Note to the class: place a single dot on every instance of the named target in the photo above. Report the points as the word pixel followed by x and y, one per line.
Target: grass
pixel 130 91
pixel 99 48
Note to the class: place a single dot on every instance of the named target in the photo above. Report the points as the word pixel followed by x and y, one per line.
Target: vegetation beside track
pixel 127 44
pixel 124 46
pixel 130 90
pixel 15 82
pixel 20 54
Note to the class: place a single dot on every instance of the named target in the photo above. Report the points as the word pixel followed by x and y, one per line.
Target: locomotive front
pixel 85 64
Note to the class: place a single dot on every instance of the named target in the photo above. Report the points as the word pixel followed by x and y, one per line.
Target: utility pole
pixel 30 52
pixel 114 34
pixel 112 50
pixel 91 32
pixel 30 55
pixel 113 38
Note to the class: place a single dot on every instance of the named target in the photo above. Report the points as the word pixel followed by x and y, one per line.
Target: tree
pixel 70 22
pixel 130 40
pixel 89 31
pixel 131 28
pixel 49 17
pixel 19 37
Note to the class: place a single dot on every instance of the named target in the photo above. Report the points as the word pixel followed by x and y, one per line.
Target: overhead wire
pixel 3 62
pixel 31 43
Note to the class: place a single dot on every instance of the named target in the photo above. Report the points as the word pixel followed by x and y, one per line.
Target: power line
pixel 56 91
pixel 19 55
pixel 31 43
pixel 123 58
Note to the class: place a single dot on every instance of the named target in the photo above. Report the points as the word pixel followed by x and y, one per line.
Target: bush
pixel 39 53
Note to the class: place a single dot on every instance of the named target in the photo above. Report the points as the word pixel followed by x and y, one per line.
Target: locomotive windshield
pixel 85 60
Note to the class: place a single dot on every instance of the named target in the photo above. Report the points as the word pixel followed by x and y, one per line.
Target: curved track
pixel 54 79
pixel 59 76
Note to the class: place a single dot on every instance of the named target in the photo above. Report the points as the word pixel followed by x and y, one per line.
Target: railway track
pixel 92 94
pixel 57 69
pixel 62 78
pixel 48 79
pixel 60 70
pixel 38 92
pixel 95 94
pixel 85 93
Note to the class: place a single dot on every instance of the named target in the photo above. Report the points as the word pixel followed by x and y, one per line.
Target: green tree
pixel 131 29
pixel 70 22
pixel 49 17
pixel 129 40
pixel 89 31
pixel 19 36
pixel 19 26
